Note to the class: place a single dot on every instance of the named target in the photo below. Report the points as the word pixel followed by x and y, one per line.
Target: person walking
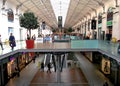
pixel 12 42
pixel 1 43
pixel 49 67
pixel 39 65
pixel 42 66
pixel 34 37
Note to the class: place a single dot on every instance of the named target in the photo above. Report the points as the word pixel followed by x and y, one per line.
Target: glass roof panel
pixel 72 10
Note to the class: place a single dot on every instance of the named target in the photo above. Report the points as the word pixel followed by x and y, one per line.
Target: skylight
pixel 60 8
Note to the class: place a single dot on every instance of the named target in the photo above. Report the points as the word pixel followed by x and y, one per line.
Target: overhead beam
pixel 17 7
pixel 3 4
pixel 116 3
pixel 101 4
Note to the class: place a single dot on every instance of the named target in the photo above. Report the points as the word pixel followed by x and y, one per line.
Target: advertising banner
pixel 106 66
pixel 59 21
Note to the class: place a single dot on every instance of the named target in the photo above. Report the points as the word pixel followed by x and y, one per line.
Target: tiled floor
pixel 72 75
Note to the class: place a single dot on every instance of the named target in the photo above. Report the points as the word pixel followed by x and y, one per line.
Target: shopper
pixel 39 65
pixel 17 72
pixel 49 67
pixel 34 37
pixel 28 37
pixel 12 42
pixel 1 43
pixel 42 66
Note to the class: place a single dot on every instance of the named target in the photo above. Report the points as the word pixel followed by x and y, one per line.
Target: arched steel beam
pixel 3 4
pixel 17 7
pixel 116 3
pixel 101 4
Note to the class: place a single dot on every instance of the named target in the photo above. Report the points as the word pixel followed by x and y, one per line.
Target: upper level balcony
pixel 65 45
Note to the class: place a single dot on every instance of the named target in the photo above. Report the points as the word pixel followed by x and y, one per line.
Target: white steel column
pixel 58 68
pixel 104 22
pixel 116 23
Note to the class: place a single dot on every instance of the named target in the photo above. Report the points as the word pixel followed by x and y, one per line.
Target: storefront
pixel 4 71
pixel 28 57
pixel 25 58
pixel 111 69
pixel 22 60
pixel 105 67
pixel 96 58
pixel 108 66
pixel 31 56
pixel 11 65
pixel 0 74
pixel 114 72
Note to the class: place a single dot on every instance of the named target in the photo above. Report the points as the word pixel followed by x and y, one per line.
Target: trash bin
pixel 114 40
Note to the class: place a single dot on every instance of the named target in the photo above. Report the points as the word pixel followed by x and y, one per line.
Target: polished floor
pixel 73 76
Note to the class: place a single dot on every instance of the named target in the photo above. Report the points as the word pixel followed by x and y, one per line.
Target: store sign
pixel 100 25
pixel 109 23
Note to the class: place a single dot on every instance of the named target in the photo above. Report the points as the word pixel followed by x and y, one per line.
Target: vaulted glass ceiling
pixel 60 8
pixel 49 10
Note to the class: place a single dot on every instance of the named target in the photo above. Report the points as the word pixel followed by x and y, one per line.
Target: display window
pixel 106 66
pixel 22 61
pixel 11 67
pixel 31 55
pixel 0 75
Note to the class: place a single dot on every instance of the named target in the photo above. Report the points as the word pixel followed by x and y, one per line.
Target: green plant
pixel 53 30
pixel 70 29
pixel 29 21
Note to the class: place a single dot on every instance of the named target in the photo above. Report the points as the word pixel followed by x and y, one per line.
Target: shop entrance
pixel 0 76
pixel 5 74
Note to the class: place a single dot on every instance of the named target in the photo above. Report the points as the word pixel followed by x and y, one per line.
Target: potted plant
pixel 29 22
pixel 54 31
pixel 70 30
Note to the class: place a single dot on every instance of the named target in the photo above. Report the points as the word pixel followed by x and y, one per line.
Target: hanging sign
pixel 59 21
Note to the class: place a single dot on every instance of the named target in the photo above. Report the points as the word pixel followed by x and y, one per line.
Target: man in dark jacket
pixel 12 42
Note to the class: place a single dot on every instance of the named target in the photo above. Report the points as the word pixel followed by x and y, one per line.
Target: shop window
pixel 11 67
pixel 10 15
pixel 10 30
pixel 105 66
